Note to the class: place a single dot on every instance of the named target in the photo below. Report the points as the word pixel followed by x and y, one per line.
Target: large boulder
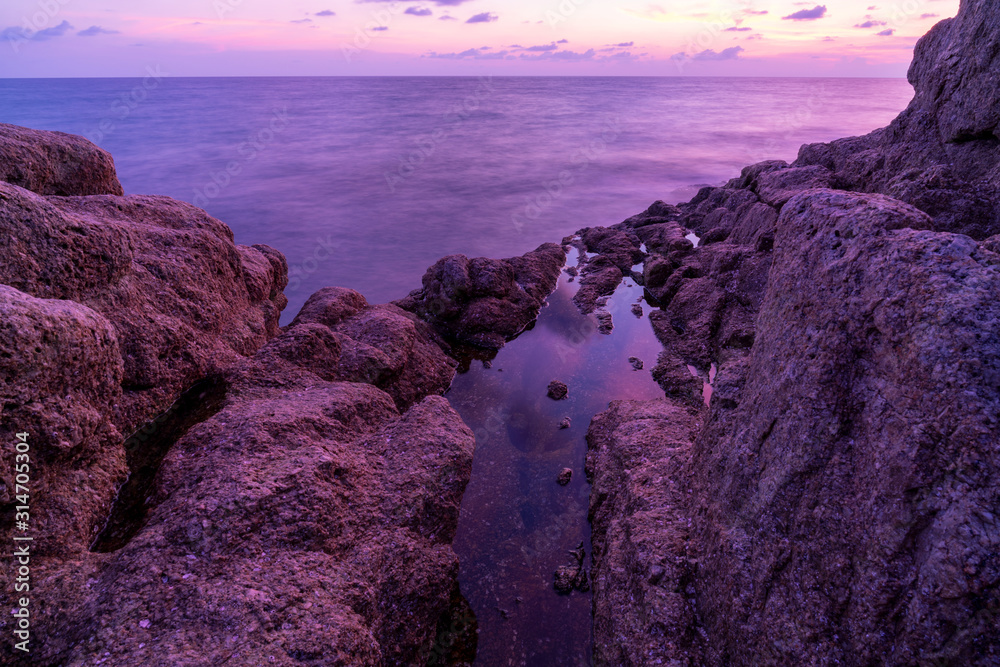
pixel 285 497
pixel 184 300
pixel 942 154
pixel 299 522
pixel 55 163
pixel 486 302
pixel 60 383
pixel 847 500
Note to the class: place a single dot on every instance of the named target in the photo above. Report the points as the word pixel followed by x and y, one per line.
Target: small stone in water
pixel 558 390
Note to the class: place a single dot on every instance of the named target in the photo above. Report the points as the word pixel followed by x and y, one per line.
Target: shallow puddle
pixel 517 524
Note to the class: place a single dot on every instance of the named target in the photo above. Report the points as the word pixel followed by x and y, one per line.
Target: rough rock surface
pixel 849 494
pixel 60 379
pixel 184 300
pixel 574 577
pixel 286 497
pixel 382 345
pixel 840 503
pixel 486 302
pixel 297 516
pixel 305 523
pixel 643 572
pixel 942 154
pixel 557 390
pixel 55 163
pixel 615 250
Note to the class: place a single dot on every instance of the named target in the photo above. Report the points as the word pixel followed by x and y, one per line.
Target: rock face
pixel 285 497
pixel 54 163
pixel 941 154
pixel 306 522
pixel 184 300
pixel 486 302
pixel 644 600
pixel 839 505
pixel 859 470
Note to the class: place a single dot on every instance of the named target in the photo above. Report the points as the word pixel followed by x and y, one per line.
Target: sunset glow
pixel 517 37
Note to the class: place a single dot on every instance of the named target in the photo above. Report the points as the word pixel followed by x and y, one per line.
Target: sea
pixel 366 182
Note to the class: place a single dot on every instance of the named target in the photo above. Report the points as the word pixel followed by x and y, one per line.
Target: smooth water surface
pixel 365 182
pixel 517 524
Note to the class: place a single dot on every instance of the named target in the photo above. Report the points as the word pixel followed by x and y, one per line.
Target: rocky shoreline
pixel 819 485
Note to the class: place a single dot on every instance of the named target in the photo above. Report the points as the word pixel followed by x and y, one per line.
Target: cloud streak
pixel 813 14
pixel 485 17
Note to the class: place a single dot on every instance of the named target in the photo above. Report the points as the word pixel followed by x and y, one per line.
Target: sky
pixel 124 38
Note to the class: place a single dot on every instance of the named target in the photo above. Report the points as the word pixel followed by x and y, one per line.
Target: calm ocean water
pixel 365 182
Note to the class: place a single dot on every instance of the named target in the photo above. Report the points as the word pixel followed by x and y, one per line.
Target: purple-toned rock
pixel 184 300
pixel 486 302
pixel 285 497
pixel 55 163
pixel 558 390
pixel 645 604
pixel 865 434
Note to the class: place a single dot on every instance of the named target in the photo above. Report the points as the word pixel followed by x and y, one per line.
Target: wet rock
pixel 55 163
pixel 636 363
pixel 659 212
pixel 569 578
pixel 601 278
pixel 619 246
pixel 637 310
pixel 565 476
pixel 616 250
pixel 605 324
pixel 665 238
pixel 486 302
pixel 565 424
pixel 558 390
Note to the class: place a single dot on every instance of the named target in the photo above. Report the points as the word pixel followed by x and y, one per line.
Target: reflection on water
pixel 517 524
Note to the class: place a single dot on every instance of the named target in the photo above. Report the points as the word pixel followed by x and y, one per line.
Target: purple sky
pixel 428 37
